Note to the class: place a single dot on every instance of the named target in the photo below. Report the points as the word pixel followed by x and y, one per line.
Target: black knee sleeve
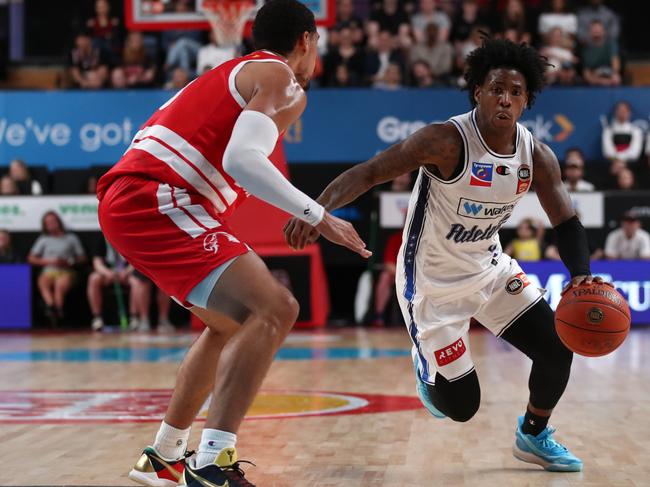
pixel 458 399
pixel 534 334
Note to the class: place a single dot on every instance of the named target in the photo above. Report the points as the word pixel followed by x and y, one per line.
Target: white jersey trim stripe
pixel 166 206
pixel 196 212
pixel 233 74
pixel 486 147
pixel 182 168
pixel 192 155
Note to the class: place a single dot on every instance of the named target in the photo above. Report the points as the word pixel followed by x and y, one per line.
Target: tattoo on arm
pixel 435 144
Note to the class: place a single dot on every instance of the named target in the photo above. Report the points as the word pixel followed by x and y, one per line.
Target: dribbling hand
pixel 578 280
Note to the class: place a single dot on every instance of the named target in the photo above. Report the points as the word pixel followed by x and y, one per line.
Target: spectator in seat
pixel 180 79
pixel 105 29
pixel 514 17
pixel 392 78
pixel 88 65
pixel 19 172
pixel 212 55
pixel 421 75
pixel 558 15
pixel 467 19
pixel 141 288
pixel 108 267
pixel 347 19
pixel 625 179
pixel 377 61
pixel 629 241
pixel 528 244
pixel 342 78
pixel 427 14
pixel 390 17
pixel 621 139
pixel 347 54
pixel 8 186
pixel 57 252
pixel 438 55
pixel 181 45
pixel 7 255
pixel 557 54
pixel 385 285
pixel 567 75
pixel 596 11
pixel 464 48
pixel 118 79
pixel 136 62
pixel 600 61
pixel 615 167
pixel 574 170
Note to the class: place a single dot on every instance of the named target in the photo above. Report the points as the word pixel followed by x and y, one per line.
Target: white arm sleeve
pixel 246 159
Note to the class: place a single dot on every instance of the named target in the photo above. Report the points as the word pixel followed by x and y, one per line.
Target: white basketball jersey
pixel 450 244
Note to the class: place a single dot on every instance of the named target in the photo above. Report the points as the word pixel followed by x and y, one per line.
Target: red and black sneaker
pixel 224 472
pixel 153 470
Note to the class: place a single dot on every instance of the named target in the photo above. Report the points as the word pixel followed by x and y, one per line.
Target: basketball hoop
pixel 227 19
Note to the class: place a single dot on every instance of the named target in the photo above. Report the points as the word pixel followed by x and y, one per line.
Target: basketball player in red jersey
pixel 164 208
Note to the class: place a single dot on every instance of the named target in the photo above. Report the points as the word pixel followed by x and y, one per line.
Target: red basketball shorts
pixel 174 237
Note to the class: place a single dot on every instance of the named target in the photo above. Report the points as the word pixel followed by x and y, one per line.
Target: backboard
pixel 186 14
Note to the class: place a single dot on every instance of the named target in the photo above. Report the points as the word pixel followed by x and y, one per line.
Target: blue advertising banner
pixel 77 129
pixel 631 278
pixel 15 296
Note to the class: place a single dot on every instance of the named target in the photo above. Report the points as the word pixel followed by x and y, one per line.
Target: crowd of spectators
pixel 386 44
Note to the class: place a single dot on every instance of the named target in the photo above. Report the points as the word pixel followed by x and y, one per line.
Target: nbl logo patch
pixel 523 178
pixel 481 174
pixel 517 283
pixel 450 353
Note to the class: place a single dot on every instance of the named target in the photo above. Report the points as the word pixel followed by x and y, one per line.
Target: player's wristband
pixel 573 246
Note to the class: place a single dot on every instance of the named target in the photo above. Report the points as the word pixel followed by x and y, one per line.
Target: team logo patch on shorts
pixel 481 174
pixel 517 283
pixel 452 352
pixel 211 241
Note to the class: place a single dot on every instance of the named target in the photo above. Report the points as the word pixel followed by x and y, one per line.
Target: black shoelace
pixel 235 472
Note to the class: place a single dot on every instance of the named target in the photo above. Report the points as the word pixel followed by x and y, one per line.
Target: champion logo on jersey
pixel 481 174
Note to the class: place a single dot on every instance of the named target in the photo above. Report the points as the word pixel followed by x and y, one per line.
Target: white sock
pixel 171 442
pixel 212 442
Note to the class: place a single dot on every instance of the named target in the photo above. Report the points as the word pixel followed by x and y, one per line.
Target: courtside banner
pixel 631 278
pixel 24 213
pixel 81 128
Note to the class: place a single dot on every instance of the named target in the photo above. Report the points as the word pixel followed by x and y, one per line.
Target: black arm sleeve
pixel 573 246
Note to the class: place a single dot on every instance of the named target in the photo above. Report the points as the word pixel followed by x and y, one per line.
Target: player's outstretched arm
pixel 438 145
pixel 275 101
pixel 571 236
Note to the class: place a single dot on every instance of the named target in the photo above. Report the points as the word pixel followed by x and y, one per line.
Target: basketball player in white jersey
pixel 473 169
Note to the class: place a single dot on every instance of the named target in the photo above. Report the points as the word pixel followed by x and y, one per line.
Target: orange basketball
pixel 592 320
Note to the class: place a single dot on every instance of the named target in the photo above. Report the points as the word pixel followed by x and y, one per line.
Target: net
pixel 228 19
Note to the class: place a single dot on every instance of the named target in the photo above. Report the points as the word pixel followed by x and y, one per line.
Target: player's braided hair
pixel 502 53
pixel 280 23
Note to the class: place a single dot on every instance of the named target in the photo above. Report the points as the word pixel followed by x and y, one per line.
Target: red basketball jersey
pixel 183 142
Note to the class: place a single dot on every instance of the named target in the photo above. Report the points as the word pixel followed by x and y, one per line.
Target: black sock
pixel 533 424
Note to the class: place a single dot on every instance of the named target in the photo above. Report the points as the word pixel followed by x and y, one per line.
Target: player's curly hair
pixel 502 53
pixel 280 23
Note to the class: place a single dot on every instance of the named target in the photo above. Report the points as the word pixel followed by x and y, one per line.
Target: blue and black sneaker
pixel 544 450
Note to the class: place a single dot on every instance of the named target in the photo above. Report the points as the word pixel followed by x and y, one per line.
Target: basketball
pixel 592 320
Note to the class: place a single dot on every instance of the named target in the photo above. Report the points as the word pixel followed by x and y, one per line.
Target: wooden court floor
pixel 338 408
